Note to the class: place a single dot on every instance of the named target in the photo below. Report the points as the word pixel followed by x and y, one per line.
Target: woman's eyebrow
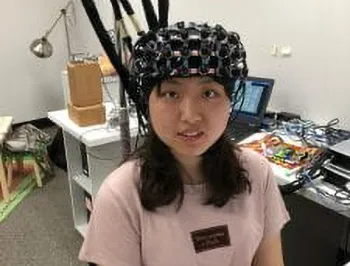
pixel 173 81
pixel 205 80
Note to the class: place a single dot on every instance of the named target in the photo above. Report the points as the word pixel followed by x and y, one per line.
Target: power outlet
pixel 286 50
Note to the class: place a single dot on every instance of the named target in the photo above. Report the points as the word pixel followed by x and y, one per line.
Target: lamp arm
pixel 62 13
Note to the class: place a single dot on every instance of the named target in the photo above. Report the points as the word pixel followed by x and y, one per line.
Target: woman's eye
pixel 170 95
pixel 210 94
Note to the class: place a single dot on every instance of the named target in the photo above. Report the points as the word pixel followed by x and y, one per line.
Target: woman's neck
pixel 191 171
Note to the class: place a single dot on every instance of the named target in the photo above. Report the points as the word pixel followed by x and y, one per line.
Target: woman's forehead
pixel 190 81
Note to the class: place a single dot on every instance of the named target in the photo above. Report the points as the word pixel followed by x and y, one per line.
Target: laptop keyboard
pixel 239 132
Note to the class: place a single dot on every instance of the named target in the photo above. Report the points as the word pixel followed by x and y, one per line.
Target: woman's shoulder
pixel 257 166
pixel 123 181
pixel 251 160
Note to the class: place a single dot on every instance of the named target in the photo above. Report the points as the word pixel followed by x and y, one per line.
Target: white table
pixel 103 148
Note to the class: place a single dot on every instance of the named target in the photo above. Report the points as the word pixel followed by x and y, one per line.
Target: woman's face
pixel 189 114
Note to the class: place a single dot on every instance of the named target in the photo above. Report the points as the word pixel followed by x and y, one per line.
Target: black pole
pixel 163 12
pixel 124 123
pixel 150 14
pixel 105 40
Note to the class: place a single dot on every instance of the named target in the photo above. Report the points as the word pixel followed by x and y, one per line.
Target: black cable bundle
pixel 163 11
pixel 150 14
pixel 291 187
pixel 131 14
pixel 127 7
pixel 119 18
pixel 105 40
pixel 108 46
pixel 334 135
pixel 306 174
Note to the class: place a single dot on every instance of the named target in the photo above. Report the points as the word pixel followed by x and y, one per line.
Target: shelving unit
pixel 103 149
pixel 81 229
pixel 84 181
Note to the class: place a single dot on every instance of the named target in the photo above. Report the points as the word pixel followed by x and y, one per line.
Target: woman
pixel 188 196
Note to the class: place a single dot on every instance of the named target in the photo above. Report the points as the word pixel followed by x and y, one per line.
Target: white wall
pixel 313 81
pixel 29 86
pixel 83 34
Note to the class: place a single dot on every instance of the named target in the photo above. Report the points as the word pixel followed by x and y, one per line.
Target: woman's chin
pixel 190 151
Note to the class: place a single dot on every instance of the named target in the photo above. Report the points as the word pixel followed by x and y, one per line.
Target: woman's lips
pixel 190 136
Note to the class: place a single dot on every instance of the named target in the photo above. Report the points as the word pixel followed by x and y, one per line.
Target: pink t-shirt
pixel 122 233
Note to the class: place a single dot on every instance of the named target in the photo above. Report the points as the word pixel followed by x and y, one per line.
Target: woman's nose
pixel 190 111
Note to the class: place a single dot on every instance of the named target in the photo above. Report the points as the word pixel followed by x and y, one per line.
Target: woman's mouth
pixel 190 136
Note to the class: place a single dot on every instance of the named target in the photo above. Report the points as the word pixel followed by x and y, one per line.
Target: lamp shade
pixel 42 48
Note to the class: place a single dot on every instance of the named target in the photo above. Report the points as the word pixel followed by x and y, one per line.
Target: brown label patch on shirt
pixel 210 238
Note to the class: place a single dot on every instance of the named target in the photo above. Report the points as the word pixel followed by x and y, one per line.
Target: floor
pixel 40 231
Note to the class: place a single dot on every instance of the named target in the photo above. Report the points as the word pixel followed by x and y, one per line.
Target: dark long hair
pixel 161 183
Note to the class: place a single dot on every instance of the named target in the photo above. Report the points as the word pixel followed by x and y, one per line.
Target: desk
pixel 103 150
pixel 307 192
pixel 317 233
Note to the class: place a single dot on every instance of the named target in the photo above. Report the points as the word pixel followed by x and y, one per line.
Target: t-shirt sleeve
pixel 276 214
pixel 113 235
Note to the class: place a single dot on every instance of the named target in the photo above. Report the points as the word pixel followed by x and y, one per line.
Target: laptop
pixel 249 111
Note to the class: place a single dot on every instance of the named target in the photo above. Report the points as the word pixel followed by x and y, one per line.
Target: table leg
pixel 9 173
pixel 4 187
pixel 37 173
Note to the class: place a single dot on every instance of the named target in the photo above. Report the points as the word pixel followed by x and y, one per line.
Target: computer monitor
pixel 256 98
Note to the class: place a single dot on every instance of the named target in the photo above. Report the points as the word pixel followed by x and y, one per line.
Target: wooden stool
pixel 4 185
pixel 13 160
pixel 5 128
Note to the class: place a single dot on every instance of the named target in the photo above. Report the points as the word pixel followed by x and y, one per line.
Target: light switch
pixel 286 50
pixel 273 50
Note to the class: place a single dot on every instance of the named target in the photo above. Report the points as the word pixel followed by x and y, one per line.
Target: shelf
pixel 82 229
pixel 84 181
pixel 95 135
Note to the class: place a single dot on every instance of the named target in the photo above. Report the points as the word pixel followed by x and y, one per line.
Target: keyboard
pixel 240 132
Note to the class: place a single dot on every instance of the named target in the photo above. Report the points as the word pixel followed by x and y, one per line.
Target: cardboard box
pixel 87 116
pixel 85 87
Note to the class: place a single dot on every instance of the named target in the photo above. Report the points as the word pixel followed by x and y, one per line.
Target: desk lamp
pixel 41 47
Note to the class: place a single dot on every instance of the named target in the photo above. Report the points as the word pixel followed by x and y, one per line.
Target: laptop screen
pixel 256 97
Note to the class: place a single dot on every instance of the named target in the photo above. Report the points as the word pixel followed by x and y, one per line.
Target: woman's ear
pixel 231 107
pixel 149 120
